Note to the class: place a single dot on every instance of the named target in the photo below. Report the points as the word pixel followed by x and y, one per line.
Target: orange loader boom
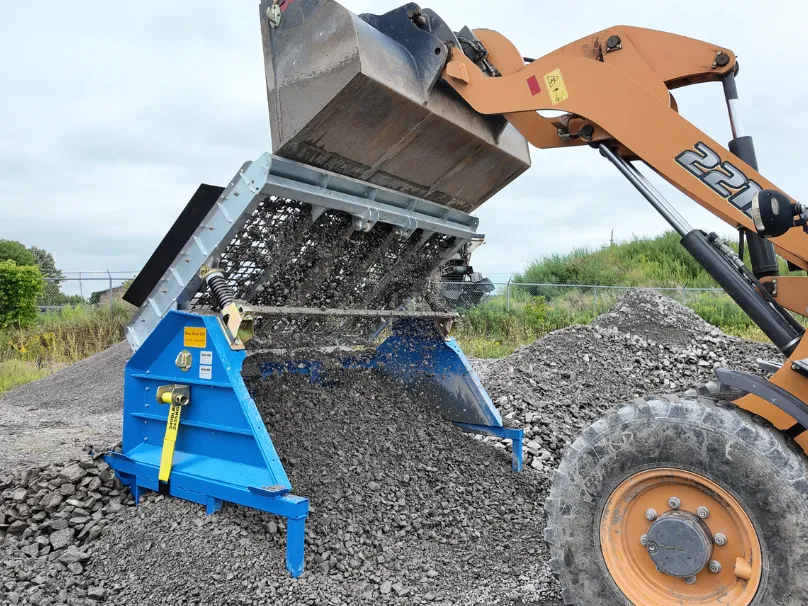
pixel 614 88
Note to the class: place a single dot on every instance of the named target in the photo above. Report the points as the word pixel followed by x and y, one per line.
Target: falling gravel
pixel 405 509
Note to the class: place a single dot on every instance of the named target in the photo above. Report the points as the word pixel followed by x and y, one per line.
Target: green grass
pixel 660 262
pixel 506 322
pixel 58 338
pixel 14 373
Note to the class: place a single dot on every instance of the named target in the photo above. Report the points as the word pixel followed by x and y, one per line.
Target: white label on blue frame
pixel 206 357
pixel 206 372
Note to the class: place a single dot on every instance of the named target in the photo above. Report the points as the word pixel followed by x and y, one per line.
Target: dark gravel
pixel 565 381
pixel 404 508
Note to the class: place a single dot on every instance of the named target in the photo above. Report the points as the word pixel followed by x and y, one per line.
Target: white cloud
pixel 111 117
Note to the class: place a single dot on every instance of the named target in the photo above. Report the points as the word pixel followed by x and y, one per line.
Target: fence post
pixel 110 291
pixel 508 295
pixel 684 295
pixel 595 301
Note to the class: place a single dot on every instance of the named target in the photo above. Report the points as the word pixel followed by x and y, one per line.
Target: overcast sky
pixel 112 113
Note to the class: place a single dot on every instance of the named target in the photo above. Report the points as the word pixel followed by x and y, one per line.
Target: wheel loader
pixel 387 131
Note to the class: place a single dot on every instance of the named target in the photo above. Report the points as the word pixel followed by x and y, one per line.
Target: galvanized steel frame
pixel 273 176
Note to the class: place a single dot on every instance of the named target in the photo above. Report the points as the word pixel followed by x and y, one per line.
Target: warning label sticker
pixel 206 357
pixel 206 372
pixel 556 88
pixel 195 337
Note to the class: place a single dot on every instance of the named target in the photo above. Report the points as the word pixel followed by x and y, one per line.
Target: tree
pixel 46 263
pixel 11 250
pixel 19 288
pixel 52 293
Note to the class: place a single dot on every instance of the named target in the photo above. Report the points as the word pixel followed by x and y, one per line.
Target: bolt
pixel 690 580
pixel 721 59
pixel 674 503
pixel 644 540
pixel 274 15
pixel 720 539
pixel 703 513
pixel 715 567
pixel 650 515
pixel 613 43
pixel 652 547
pixel 586 132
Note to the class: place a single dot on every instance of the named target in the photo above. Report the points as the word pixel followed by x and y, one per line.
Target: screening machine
pixel 306 249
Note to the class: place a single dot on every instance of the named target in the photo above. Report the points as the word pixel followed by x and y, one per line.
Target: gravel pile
pixel 60 416
pixel 655 317
pixel 563 382
pixel 404 508
pixel 49 518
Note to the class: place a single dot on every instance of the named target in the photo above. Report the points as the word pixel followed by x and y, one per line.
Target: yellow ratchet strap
pixel 170 439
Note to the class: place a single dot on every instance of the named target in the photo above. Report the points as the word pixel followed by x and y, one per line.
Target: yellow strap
pixel 169 442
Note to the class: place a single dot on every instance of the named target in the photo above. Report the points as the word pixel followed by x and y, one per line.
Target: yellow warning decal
pixel 170 441
pixel 195 337
pixel 556 88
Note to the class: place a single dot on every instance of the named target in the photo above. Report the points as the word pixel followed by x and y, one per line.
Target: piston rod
pixel 730 274
pixel 648 191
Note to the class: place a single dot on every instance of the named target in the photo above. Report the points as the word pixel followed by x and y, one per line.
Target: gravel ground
pixel 563 382
pixel 404 508
pixel 60 416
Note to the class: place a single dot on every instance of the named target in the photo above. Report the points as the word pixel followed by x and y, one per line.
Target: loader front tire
pixel 729 488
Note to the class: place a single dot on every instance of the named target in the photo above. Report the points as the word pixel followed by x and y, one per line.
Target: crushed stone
pixel 60 416
pixel 565 381
pixel 404 508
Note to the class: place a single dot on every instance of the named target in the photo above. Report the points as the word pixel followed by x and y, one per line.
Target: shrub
pixel 19 288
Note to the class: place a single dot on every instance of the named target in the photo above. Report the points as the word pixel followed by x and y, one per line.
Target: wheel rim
pixel 630 563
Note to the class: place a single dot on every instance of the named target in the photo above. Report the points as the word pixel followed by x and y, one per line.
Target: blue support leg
pixel 295 542
pixel 212 505
pixel 419 354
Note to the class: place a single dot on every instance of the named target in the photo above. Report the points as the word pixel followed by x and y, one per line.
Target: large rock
pixel 73 473
pixel 61 538
pixel 73 554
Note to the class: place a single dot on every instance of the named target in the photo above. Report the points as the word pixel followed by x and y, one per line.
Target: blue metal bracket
pixel 223 450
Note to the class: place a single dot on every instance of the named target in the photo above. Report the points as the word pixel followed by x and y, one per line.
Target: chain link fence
pixel 583 302
pixel 72 289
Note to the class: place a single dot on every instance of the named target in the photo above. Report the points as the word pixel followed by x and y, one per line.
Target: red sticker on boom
pixel 533 83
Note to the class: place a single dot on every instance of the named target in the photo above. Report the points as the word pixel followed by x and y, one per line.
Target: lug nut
pixel 703 513
pixel 690 580
pixel 650 515
pixel 652 547
pixel 720 539
pixel 715 567
pixel 644 540
pixel 674 503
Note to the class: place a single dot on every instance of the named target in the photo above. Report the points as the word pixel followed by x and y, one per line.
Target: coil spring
pixel 221 291
pixel 436 301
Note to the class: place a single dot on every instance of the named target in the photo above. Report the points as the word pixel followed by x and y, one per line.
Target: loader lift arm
pixel 614 88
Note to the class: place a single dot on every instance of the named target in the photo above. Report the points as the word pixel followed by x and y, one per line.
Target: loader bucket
pixel 361 96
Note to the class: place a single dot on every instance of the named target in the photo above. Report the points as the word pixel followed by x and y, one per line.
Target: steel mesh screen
pixel 290 255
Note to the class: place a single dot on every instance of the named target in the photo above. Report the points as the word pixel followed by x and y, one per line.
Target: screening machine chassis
pixel 190 426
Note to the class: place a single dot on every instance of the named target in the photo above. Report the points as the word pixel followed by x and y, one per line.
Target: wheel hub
pixel 679 544
pixel 670 537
